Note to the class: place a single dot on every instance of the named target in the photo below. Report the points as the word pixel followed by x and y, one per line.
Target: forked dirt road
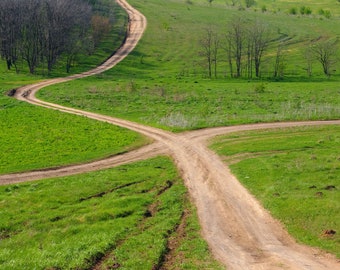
pixel 241 234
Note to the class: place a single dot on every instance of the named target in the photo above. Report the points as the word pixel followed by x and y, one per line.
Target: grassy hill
pixel 164 81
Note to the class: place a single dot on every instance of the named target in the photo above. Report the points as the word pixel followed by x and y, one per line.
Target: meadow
pixel 108 215
pixel 119 217
pixel 286 169
pixel 163 82
pixel 35 138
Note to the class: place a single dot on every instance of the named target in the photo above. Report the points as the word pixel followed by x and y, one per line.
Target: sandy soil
pixel 240 232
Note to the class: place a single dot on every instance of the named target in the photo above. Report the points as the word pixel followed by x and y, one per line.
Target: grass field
pixel 192 104
pixel 286 5
pixel 295 174
pixel 127 214
pixel 163 83
pixel 35 138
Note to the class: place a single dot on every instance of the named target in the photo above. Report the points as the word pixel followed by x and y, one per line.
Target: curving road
pixel 241 234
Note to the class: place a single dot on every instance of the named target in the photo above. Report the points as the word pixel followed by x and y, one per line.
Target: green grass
pixel 197 104
pixel 72 222
pixel 163 83
pixel 285 5
pixel 36 138
pixel 295 174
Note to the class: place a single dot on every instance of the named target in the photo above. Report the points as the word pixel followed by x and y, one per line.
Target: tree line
pixel 245 42
pixel 38 32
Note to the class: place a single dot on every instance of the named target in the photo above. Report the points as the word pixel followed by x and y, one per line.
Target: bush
pixel 260 88
pixel 249 3
pixel 305 10
pixel 293 11
pixel 325 13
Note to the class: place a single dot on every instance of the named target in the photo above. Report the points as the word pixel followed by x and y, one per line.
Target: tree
pixel 31 46
pixel 235 36
pixel 40 31
pixel 279 61
pixel 249 3
pixel 325 53
pixel 9 31
pixel 210 45
pixel 80 40
pixel 65 22
pixel 246 43
pixel 260 38
pixel 308 55
pixel 100 27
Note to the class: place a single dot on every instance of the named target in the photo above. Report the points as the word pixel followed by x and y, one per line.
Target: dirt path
pixel 240 233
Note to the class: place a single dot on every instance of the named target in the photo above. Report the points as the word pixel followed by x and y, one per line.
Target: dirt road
pixel 240 233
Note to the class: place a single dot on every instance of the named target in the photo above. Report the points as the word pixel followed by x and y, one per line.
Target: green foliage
pixel 293 11
pixel 305 10
pixel 249 3
pixel 295 174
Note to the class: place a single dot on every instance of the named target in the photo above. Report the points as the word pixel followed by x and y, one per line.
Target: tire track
pixel 240 233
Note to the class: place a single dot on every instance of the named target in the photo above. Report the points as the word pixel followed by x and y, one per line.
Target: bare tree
pixel 250 55
pixel 216 46
pixel 260 38
pixel 9 31
pixel 325 53
pixel 210 44
pixel 39 31
pixel 100 27
pixel 308 55
pixel 279 61
pixel 236 39
pixel 31 45
pixel 246 43
pixel 65 21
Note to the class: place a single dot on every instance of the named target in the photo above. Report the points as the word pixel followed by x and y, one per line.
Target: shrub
pixel 325 13
pixel 293 11
pixel 305 10
pixel 260 88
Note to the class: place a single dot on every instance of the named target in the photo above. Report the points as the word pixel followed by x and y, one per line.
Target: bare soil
pixel 240 232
